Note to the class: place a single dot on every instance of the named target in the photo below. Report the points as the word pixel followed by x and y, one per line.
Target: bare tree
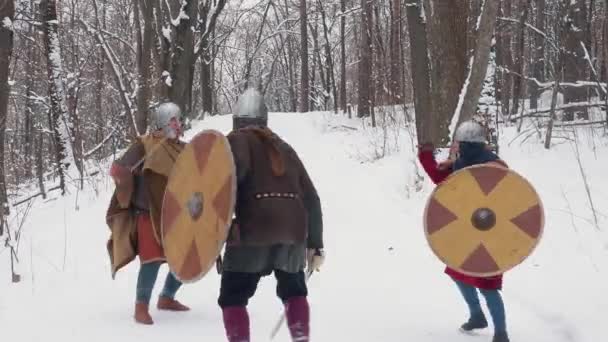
pixel 365 62
pixel 7 15
pixel 143 9
pixel 425 127
pixel 343 100
pixel 60 120
pixel 574 63
pixel 304 85
pixel 539 54
pixel 478 64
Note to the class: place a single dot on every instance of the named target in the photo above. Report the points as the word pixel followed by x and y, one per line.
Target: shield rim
pixel 233 193
pixel 485 274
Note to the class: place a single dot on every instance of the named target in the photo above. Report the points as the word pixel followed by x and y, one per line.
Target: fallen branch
pixel 570 105
pixel 583 123
pixel 100 145
pixel 57 187
pixel 547 85
pixel 534 29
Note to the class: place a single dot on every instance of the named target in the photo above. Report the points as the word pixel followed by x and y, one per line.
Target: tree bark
pixel 478 66
pixel 343 100
pixel 396 57
pixel 182 62
pixel 365 62
pixel 506 53
pixel 519 86
pixel 144 9
pixel 574 64
pixel 425 125
pixel 329 59
pixel 539 55
pixel 7 14
pixel 304 81
pixel 61 123
pixel 449 59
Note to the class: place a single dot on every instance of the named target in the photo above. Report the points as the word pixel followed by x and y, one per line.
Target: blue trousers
pixel 493 301
pixel 146 279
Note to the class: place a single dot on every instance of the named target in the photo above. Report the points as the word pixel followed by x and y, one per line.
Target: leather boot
pixel 500 337
pixel 142 315
pixel 170 304
pixel 475 322
pixel 297 313
pixel 236 323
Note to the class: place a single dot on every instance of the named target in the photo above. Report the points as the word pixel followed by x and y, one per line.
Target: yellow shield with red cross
pixel 484 220
pixel 198 205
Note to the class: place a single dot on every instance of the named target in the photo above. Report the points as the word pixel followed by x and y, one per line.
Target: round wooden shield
pixel 483 220
pixel 198 205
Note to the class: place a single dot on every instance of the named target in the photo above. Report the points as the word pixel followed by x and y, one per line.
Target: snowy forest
pixel 369 93
pixel 78 78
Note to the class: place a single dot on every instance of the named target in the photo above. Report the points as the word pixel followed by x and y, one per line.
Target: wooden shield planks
pixel 483 220
pixel 198 205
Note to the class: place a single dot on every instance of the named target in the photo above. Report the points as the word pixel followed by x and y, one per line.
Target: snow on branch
pixel 593 71
pixel 116 71
pixel 181 16
pixel 58 96
pixel 100 145
pixel 7 23
pixel 533 112
pixel 546 85
pixel 215 11
pixel 534 29
pixel 478 65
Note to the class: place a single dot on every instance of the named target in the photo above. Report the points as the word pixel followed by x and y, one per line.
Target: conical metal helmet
pixel 470 131
pixel 163 114
pixel 250 110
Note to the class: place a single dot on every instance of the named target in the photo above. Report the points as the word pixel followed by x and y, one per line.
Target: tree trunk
pixel 7 14
pixel 304 85
pixel 329 67
pixel 395 53
pixel 100 121
pixel 425 124
pixel 449 58
pixel 507 62
pixel 145 9
pixel 61 124
pixel 365 62
pixel 519 86
pixel 206 84
pixel 39 137
pixel 539 55
pixel 182 62
pixel 478 66
pixel 574 63
pixel 30 103
pixel 343 100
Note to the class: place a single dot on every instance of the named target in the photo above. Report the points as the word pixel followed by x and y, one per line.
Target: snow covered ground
pixel 380 282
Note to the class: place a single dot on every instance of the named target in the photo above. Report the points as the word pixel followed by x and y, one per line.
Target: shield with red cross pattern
pixel 484 220
pixel 198 205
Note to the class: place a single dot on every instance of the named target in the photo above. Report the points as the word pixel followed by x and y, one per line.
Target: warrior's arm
pixel 122 174
pixel 240 152
pixel 427 159
pixel 312 203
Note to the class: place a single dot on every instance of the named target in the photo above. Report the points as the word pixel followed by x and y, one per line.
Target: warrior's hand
pixel 445 165
pixel 120 174
pixel 315 258
pixel 426 147
pixel 124 184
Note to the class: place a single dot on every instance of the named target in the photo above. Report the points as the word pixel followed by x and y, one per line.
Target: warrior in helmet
pixel 277 226
pixel 140 175
pixel 470 148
